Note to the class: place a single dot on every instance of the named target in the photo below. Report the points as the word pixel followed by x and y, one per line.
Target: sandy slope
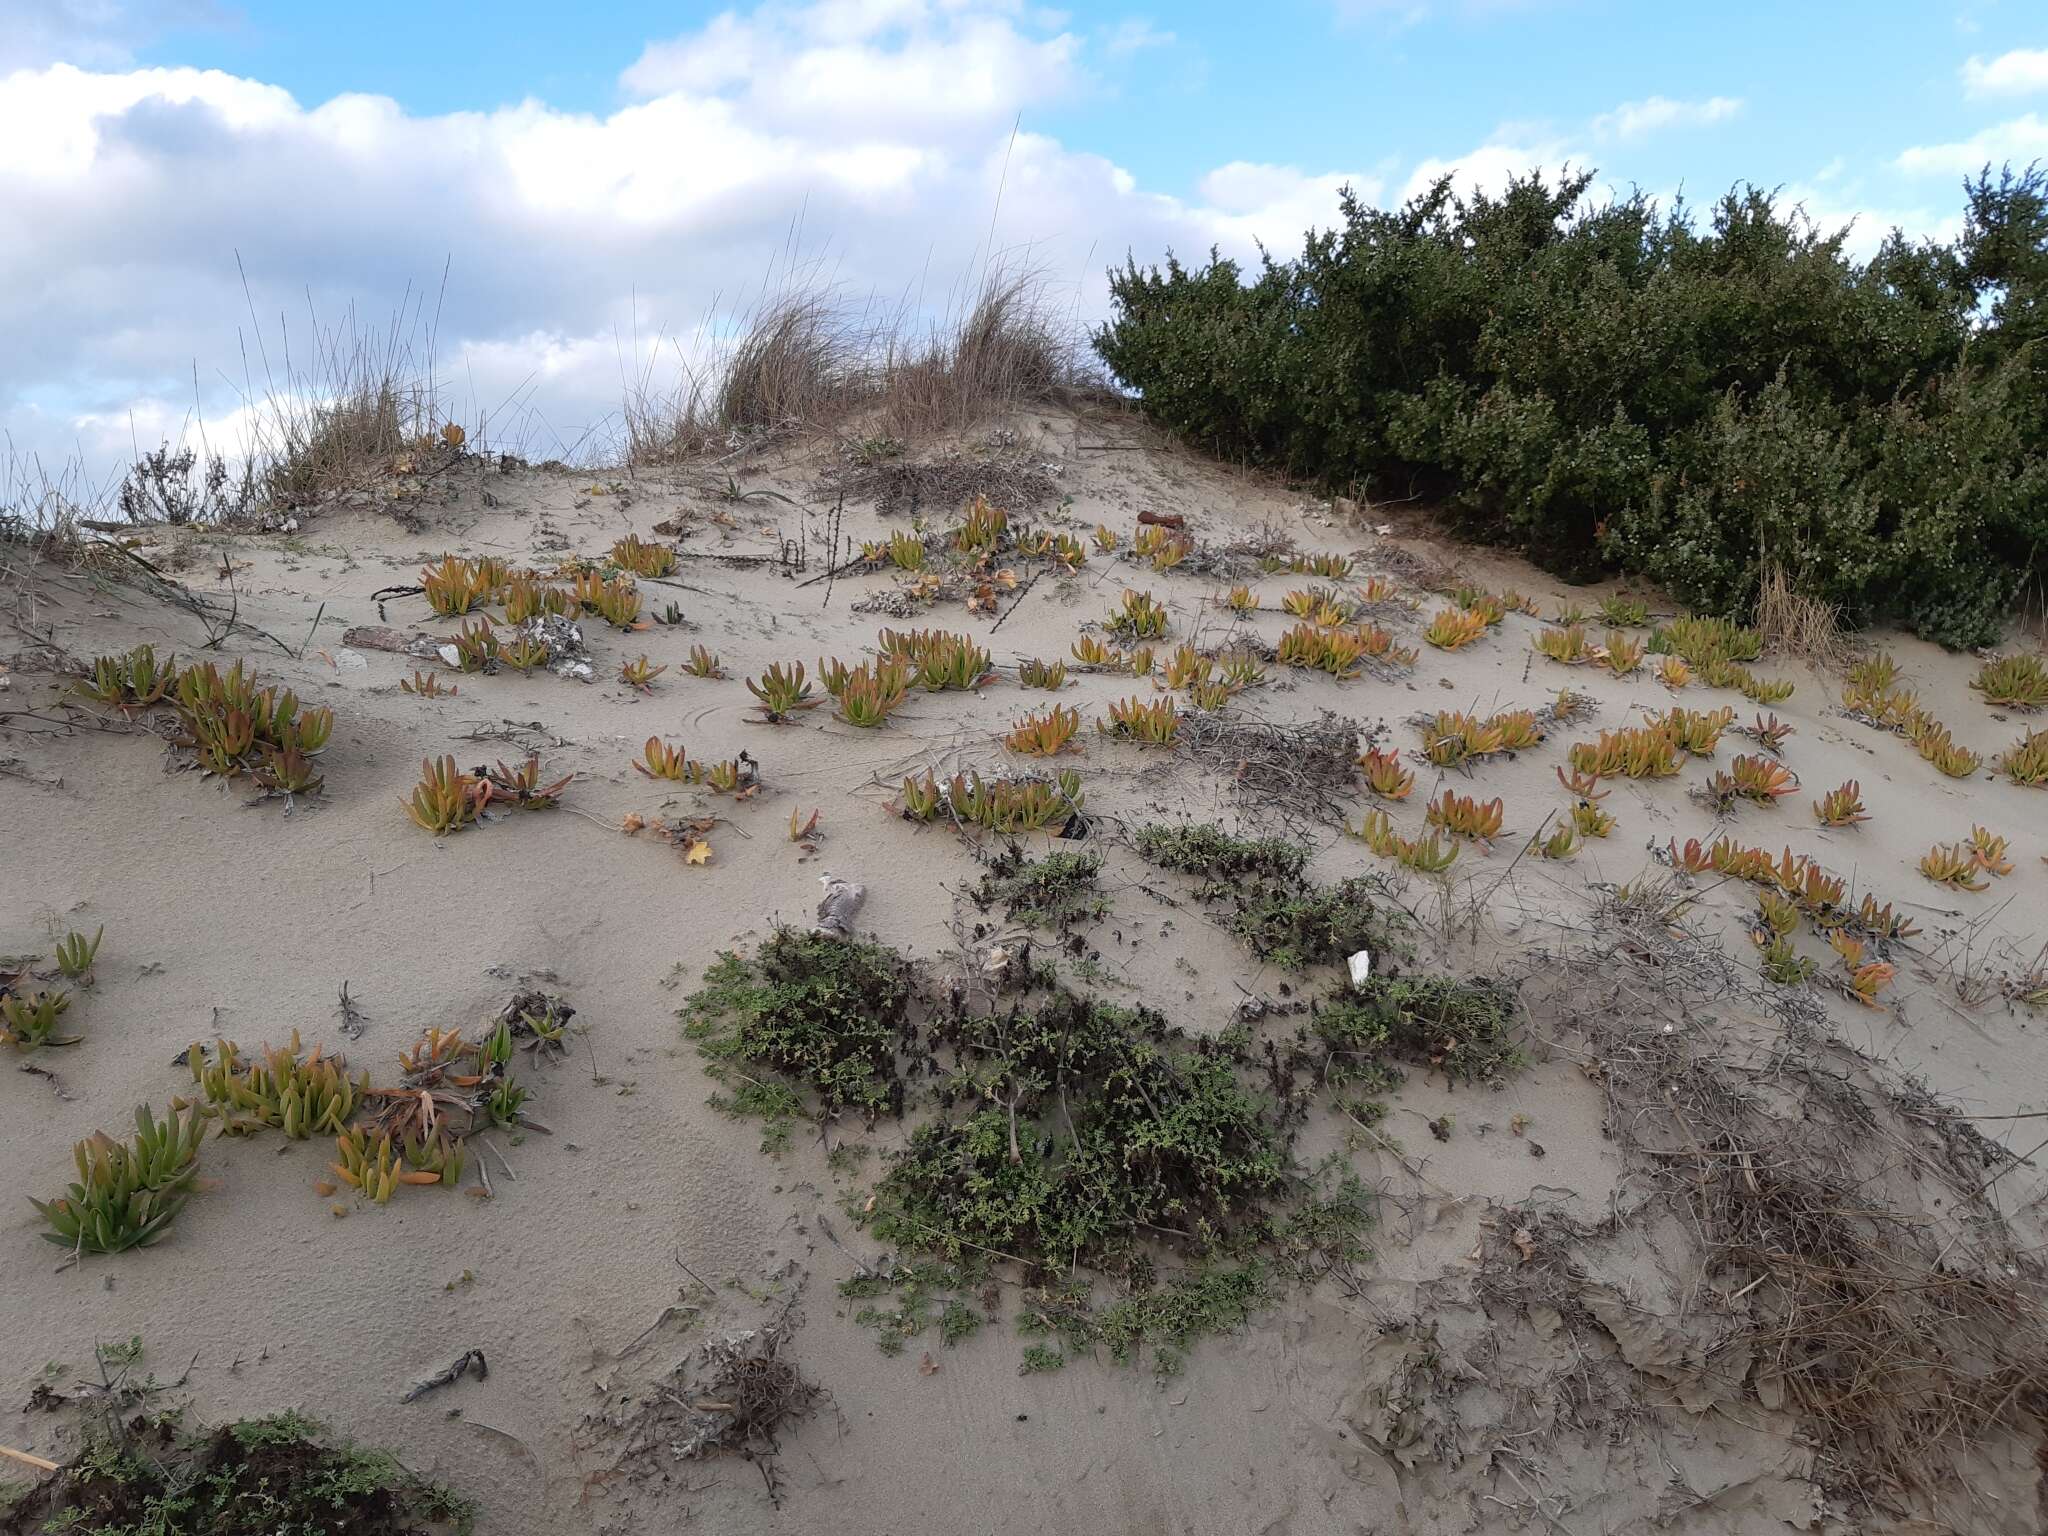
pixel 245 922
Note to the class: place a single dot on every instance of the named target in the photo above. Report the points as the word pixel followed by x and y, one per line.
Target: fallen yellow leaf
pixel 698 852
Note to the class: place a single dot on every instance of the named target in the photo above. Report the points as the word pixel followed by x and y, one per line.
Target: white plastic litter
pixel 1361 967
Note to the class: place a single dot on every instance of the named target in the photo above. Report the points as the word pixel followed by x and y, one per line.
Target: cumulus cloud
pixel 2019 142
pixel 869 140
pixel 1246 203
pixel 1653 114
pixel 2018 73
pixel 1489 167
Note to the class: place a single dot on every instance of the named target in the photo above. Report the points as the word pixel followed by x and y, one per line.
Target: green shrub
pixel 1463 1029
pixel 1055 891
pixel 1622 387
pixel 1276 912
pixel 826 1012
pixel 259 1477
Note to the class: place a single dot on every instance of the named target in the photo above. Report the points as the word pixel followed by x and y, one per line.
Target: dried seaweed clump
pixel 1295 772
pixel 1849 1250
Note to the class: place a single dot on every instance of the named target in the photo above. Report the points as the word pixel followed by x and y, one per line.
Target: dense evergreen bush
pixel 1615 387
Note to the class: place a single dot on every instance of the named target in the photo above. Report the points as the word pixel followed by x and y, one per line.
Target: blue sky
pixel 1313 83
pixel 600 178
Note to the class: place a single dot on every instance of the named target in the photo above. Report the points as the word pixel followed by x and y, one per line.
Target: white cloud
pixel 1489 167
pixel 872 137
pixel 1247 202
pixel 2019 142
pixel 859 66
pixel 2018 73
pixel 1636 119
pixel 1134 36
pixel 1865 221
pixel 100 34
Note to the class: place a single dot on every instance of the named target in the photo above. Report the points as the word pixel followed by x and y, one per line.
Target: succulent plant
pixel 1841 806
pixel 640 674
pixel 1049 675
pixel 1335 567
pixel 440 1157
pixel 1761 779
pixel 521 787
pixel 1155 724
pixel 1240 601
pixel 2026 760
pixel 476 646
pixel 1634 752
pixel 1475 599
pixel 1451 738
pixel 75 954
pixel 427 685
pixel 1769 733
pixel 1091 652
pixel 1187 667
pixel 871 692
pixel 1454 628
pixel 524 652
pixel 279 1088
pixel 130 683
pixel 1567 645
pixel 659 760
pixel 1044 733
pixel 982 529
pixel 782 691
pixel 506 1102
pixel 1954 865
pixel 947 661
pixel 1428 856
pixel 287 772
pixel 1385 776
pixel 1463 816
pixel 445 799
pixel 919 799
pixel 374 1166
pixel 1990 851
pixel 28 1020
pixel 702 663
pixel 1241 669
pixel 525 598
pixel 1589 820
pixel 2016 682
pixel 1782 964
pixel 128 1193
pixel 906 552
pixel 643 558
pixel 1621 655
pixel 1138 617
pixel 455 586
pixel 618 603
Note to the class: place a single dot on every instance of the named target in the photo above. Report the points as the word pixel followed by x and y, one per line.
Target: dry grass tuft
pixel 1800 626
pixel 810 357
pixel 331 421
